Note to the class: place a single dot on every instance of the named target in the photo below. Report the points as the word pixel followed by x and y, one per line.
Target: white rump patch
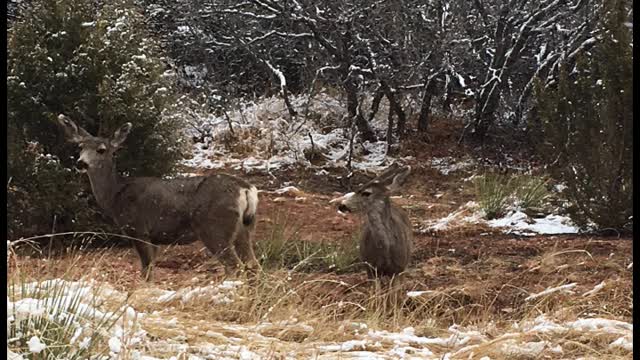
pixel 251 201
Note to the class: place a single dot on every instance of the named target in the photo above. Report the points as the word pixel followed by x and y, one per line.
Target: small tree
pixel 97 64
pixel 588 126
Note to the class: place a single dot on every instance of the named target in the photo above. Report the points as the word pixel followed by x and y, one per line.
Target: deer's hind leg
pixel 244 248
pixel 219 235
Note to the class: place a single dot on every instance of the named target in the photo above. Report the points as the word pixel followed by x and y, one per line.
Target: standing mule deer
pixel 387 236
pixel 219 209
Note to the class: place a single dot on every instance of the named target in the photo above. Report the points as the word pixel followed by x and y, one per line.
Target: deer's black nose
pixel 81 165
pixel 343 208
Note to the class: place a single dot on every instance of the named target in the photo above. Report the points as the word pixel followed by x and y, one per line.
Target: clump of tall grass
pixel 52 319
pixel 497 194
pixel 531 193
pixel 284 248
pixel 492 192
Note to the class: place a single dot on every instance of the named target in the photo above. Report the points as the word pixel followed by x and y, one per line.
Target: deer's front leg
pixel 146 252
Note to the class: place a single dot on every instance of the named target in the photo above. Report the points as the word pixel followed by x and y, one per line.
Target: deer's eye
pixel 366 193
pixel 101 150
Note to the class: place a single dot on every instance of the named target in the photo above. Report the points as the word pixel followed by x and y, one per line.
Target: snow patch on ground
pixel 218 294
pixel 529 350
pixel 624 342
pixel 520 223
pixel 543 324
pixel 515 222
pixel 448 165
pixel 603 325
pixel 418 293
pixel 468 213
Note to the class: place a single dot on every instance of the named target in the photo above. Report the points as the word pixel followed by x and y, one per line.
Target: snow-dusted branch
pixel 278 73
pixel 249 14
pixel 279 33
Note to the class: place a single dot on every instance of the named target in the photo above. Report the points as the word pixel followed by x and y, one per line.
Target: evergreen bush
pixel 588 125
pixel 97 63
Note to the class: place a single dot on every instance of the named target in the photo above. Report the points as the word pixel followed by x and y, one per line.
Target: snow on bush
pixel 35 345
pixel 261 136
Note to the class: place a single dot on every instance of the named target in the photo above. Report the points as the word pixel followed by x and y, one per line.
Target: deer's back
pixel 164 209
pixel 387 241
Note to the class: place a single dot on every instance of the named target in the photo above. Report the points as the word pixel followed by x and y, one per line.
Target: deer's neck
pixel 105 185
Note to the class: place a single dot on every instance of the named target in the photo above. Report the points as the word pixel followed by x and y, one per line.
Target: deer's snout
pixel 342 202
pixel 82 165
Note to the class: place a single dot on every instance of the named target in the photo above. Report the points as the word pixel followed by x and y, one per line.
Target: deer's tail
pixel 250 196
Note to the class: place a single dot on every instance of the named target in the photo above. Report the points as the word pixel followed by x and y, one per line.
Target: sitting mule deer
pixel 219 209
pixel 387 236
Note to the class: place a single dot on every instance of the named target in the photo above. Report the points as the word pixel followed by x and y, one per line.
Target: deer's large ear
pixel 399 178
pixel 121 135
pixel 73 132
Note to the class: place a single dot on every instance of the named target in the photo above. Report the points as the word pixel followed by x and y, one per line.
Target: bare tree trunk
pixel 425 107
pixel 395 108
pixel 485 115
pixel 287 102
pixel 402 118
pixel 375 104
pixel 389 129
pixel 352 135
pixel 355 115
